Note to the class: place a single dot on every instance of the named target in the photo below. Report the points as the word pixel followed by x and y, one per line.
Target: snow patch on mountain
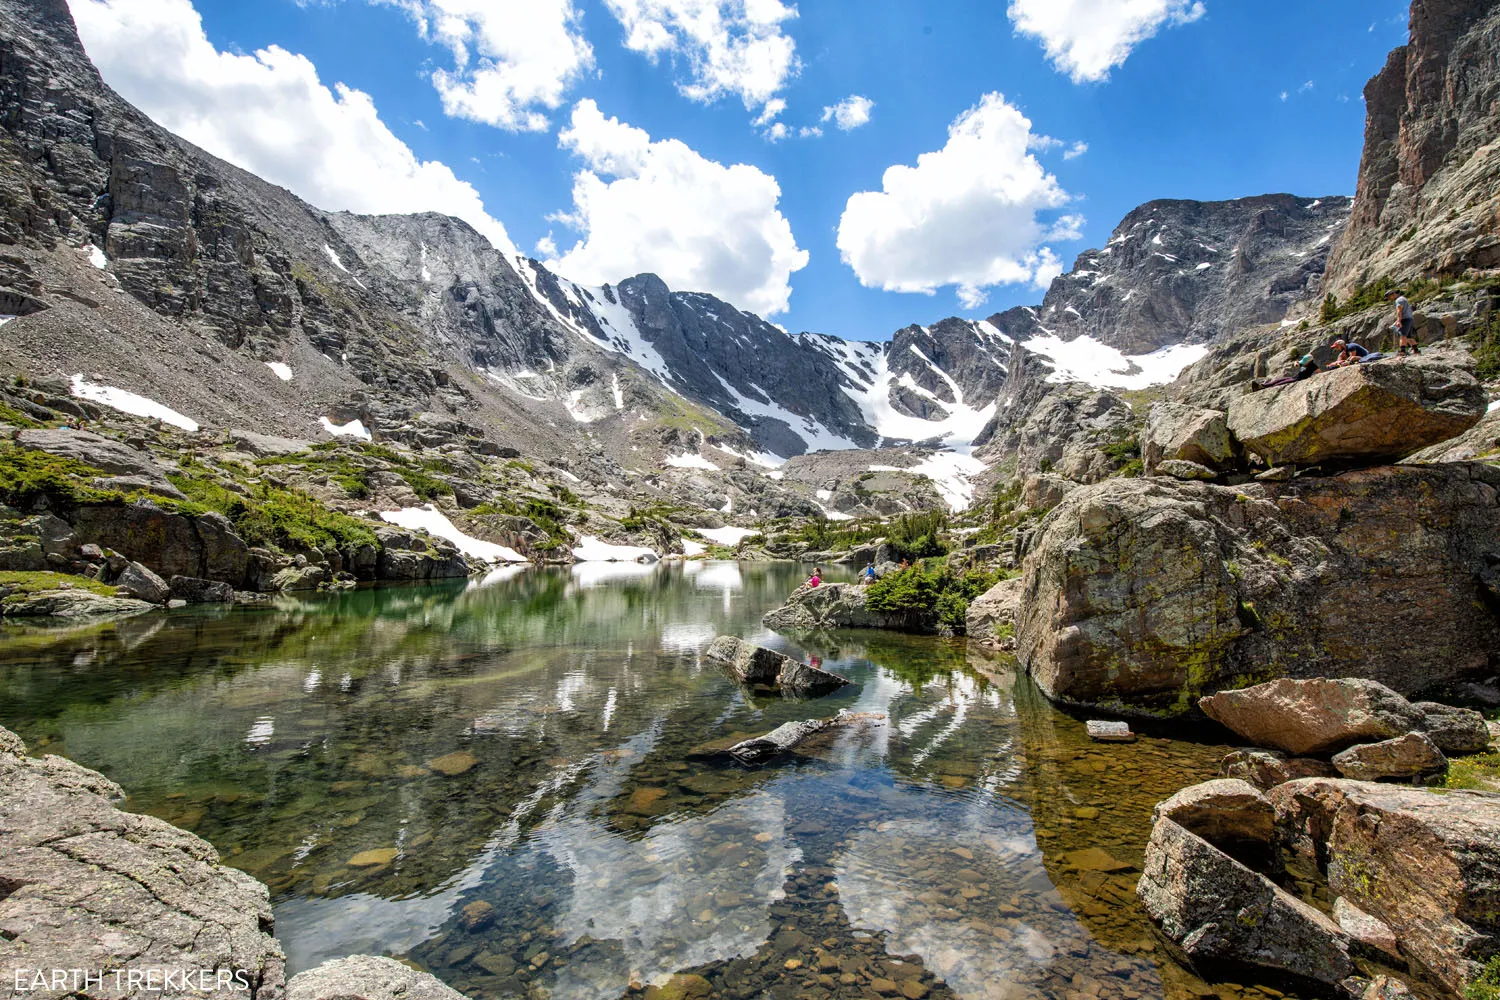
pixel 129 402
pixel 1085 359
pixel 433 521
pixel 282 369
pixel 353 429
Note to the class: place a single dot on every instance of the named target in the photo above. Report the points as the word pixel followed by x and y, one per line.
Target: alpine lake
pixel 495 781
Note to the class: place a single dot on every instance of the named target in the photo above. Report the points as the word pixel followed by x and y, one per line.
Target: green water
pixel 494 782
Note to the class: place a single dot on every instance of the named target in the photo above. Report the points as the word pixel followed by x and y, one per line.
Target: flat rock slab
pixel 762 667
pixel 72 604
pixel 91 449
pixel 1313 716
pixel 1385 410
pixel 1110 732
pixel 90 887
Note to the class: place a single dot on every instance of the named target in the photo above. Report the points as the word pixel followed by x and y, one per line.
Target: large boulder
pixel 1140 595
pixel 762 667
pixel 195 590
pixel 1217 909
pixel 992 615
pixel 368 977
pixel 835 606
pixel 1178 433
pixel 1319 715
pixel 171 544
pixel 86 886
pixel 1411 756
pixel 1372 412
pixel 141 583
pixel 1425 863
pixel 1222 811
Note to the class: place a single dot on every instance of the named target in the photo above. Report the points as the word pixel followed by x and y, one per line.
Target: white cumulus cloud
pixel 514 60
pixel 658 205
pixel 968 215
pixel 731 47
pixel 1088 38
pixel 850 113
pixel 268 113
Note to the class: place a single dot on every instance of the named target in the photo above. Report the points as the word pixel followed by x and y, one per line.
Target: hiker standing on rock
pixel 1406 323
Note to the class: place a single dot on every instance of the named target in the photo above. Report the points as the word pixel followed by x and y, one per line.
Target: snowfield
pixel 431 520
pixel 353 428
pixel 727 536
pixel 591 549
pixel 691 462
pixel 282 370
pixel 1103 367
pixel 129 402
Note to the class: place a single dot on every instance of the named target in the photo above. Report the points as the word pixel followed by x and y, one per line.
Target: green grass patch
pixel 36 582
pixel 270 516
pixel 29 476
pixel 545 514
pixel 14 417
pixel 1480 772
pixel 1486 985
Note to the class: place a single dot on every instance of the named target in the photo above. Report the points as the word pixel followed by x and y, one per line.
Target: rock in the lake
pixel 367 977
pixel 1423 862
pixel 75 603
pixel 761 667
pixel 1141 595
pixel 838 606
pixel 141 583
pixel 992 615
pixel 87 886
pixel 1265 769
pixel 1223 811
pixel 1373 412
pixel 1178 433
pixel 787 736
pixel 195 590
pixel 1411 756
pixel 1457 732
pixel 1110 732
pixel 1217 909
pixel 1319 715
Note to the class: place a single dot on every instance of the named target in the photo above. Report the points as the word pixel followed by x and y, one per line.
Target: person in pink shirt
pixel 816 578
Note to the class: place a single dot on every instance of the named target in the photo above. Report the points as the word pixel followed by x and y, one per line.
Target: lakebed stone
pixel 1140 595
pixel 1369 412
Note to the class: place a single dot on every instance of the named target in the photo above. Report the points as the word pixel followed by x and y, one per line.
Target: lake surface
pixel 495 781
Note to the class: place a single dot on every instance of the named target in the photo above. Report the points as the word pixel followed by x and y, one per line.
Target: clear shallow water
pixel 495 782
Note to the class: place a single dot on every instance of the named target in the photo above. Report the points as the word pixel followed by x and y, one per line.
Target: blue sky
pixel 1223 100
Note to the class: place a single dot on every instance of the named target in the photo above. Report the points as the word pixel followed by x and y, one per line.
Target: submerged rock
pixel 1141 595
pixel 1110 732
pixel 1383 410
pixel 1217 909
pixel 76 603
pixel 1314 716
pixel 1426 863
pixel 761 667
pixel 87 886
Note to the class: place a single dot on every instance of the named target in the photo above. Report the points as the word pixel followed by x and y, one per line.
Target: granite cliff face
pixel 1428 200
pixel 1189 271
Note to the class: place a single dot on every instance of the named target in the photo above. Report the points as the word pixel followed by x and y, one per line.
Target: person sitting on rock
pixel 1350 353
pixel 816 579
pixel 869 574
pixel 1306 368
pixel 1405 325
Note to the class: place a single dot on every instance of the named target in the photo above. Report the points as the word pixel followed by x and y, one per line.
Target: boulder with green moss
pixel 1140 596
